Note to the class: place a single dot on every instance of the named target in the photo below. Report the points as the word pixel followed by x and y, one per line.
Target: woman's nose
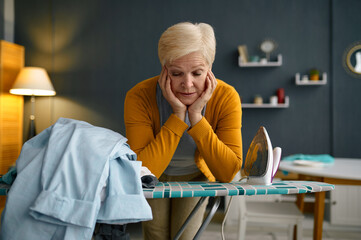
pixel 187 81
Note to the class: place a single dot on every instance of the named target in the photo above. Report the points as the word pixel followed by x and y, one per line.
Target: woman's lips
pixel 187 94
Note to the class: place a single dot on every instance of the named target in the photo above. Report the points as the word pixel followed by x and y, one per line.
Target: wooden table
pixel 344 171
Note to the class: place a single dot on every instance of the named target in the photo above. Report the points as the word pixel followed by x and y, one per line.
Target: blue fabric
pixel 9 177
pixel 325 158
pixel 60 174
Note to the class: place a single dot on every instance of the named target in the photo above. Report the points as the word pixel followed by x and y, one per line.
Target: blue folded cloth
pixel 324 158
pixel 6 180
pixel 9 177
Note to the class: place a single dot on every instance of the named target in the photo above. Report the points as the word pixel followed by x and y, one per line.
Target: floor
pixel 256 232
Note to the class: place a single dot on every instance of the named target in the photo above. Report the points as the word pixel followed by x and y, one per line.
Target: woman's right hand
pixel 179 109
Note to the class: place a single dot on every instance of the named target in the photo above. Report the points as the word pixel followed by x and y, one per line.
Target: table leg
pixel 318 215
pixel 300 202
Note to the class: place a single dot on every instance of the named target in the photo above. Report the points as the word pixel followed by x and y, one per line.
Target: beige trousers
pixel 169 214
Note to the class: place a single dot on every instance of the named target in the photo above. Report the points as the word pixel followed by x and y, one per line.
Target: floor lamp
pixel 33 81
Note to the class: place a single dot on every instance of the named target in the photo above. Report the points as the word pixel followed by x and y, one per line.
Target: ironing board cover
pixel 212 189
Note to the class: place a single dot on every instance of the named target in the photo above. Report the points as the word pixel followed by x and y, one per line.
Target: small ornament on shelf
pixel 268 46
pixel 258 99
pixel 314 74
pixel 254 58
pixel 281 95
pixel 273 100
pixel 305 78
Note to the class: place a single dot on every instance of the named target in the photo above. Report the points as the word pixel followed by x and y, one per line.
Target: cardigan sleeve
pixel 154 149
pixel 221 145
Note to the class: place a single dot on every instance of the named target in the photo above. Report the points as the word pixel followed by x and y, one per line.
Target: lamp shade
pixel 33 81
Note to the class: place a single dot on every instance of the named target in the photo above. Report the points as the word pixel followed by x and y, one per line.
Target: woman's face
pixel 188 77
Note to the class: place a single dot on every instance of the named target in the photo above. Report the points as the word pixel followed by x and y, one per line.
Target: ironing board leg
pixel 195 209
pixel 215 205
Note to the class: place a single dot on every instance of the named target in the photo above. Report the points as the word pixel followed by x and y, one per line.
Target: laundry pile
pixel 69 177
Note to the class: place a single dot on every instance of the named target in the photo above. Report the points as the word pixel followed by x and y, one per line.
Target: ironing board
pixel 216 190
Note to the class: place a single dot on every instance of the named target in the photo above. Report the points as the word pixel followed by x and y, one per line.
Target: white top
pixel 343 168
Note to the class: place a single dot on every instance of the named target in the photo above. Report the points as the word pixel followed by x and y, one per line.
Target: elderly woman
pixel 184 125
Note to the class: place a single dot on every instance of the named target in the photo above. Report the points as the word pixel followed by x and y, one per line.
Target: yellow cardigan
pixel 217 136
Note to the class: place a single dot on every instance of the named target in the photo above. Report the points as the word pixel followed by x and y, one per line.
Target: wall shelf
pixel 268 105
pixel 308 82
pixel 259 64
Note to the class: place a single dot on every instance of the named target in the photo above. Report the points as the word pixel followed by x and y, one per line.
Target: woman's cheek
pixel 173 85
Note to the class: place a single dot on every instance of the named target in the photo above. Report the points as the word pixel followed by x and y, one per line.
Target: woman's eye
pixel 175 74
pixel 197 73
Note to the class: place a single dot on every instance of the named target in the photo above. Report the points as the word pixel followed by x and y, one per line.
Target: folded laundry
pixel 149 180
pixel 111 232
pixel 324 158
pixel 9 177
pixel 60 174
pixel 316 160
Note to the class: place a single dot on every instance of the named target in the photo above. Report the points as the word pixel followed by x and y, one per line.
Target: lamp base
pixel 32 130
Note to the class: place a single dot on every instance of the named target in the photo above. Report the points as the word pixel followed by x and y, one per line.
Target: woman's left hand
pixel 195 110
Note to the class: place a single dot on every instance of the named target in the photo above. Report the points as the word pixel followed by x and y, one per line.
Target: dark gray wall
pixel 95 51
pixel 346 88
pixel 7 20
pixel 1 19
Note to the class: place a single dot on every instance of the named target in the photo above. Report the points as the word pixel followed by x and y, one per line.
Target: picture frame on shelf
pixel 243 53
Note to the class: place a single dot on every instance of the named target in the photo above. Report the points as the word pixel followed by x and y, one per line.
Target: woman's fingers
pixel 211 84
pixel 213 80
pixel 165 84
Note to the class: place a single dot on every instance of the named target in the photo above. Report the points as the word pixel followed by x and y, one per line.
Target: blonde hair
pixel 184 38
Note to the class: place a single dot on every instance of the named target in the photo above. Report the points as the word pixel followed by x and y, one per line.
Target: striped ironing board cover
pixel 212 189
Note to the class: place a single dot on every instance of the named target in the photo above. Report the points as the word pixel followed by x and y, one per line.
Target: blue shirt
pixel 61 172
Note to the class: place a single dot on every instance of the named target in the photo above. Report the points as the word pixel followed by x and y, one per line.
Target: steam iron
pixel 261 161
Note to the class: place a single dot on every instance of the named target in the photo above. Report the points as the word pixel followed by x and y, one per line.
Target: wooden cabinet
pixel 345 207
pixel 11 106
